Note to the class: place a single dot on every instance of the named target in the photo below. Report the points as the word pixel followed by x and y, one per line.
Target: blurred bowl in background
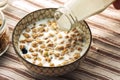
pixel 4 34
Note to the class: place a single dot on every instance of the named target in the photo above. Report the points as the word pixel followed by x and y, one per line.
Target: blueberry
pixel 24 51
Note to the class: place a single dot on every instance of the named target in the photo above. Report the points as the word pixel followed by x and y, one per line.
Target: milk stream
pixel 80 9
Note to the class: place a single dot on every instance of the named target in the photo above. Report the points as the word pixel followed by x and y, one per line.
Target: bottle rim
pixel 67 13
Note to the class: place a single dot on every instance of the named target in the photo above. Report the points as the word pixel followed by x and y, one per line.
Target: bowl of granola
pixel 46 50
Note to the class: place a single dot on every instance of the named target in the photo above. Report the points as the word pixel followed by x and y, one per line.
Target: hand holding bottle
pixel 116 4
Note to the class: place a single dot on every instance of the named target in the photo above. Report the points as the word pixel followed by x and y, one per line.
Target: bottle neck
pixel 65 18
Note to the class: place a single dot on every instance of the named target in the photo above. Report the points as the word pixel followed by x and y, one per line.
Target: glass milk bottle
pixel 76 10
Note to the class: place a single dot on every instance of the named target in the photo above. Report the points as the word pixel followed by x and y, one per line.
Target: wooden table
pixel 101 63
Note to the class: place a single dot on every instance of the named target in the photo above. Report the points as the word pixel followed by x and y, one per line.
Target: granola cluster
pixel 43 44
